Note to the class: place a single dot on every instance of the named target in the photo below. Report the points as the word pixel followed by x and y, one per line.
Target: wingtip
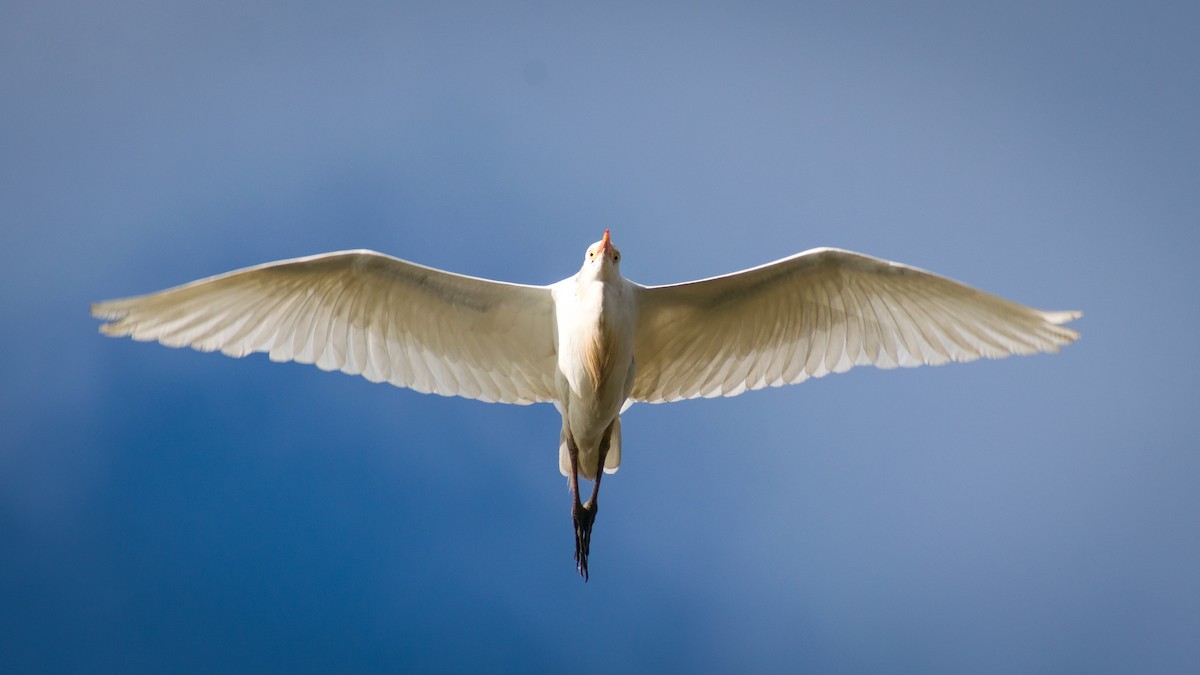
pixel 1066 316
pixel 105 309
pixel 113 329
pixel 111 316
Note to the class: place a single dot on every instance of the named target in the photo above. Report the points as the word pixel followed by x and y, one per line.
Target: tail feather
pixel 588 456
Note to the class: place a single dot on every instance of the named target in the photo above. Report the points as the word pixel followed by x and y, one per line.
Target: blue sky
pixel 169 511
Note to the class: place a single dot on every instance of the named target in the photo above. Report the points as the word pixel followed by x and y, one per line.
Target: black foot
pixel 584 516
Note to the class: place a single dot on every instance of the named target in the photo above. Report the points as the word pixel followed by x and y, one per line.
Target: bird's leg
pixel 605 440
pixel 581 517
pixel 585 514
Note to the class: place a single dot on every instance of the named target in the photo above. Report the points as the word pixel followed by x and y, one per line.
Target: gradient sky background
pixel 169 511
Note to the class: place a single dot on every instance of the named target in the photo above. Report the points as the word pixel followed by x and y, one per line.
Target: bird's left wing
pixel 365 313
pixel 818 312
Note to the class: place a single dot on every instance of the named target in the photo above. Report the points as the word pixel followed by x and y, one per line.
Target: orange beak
pixel 606 245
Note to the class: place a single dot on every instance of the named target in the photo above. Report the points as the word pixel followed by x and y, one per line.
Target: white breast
pixel 595 352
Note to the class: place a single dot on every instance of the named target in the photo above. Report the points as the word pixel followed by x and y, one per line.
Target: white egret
pixel 591 344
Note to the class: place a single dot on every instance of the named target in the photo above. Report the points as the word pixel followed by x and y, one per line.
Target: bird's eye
pixel 616 257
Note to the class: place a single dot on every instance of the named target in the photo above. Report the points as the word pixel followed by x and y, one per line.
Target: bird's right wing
pixel 365 313
pixel 818 312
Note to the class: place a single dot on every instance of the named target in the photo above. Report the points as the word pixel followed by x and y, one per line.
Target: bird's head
pixel 602 259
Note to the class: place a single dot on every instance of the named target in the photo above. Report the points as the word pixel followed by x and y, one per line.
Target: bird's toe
pixel 584 516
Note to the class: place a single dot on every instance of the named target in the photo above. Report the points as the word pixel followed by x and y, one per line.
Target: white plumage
pixel 593 343
pixel 362 313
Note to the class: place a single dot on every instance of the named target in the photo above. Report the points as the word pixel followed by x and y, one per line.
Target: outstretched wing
pixel 817 312
pixel 365 313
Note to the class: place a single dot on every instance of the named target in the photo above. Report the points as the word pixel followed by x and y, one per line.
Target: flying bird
pixel 591 344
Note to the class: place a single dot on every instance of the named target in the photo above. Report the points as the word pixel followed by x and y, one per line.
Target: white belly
pixel 595 363
pixel 593 384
